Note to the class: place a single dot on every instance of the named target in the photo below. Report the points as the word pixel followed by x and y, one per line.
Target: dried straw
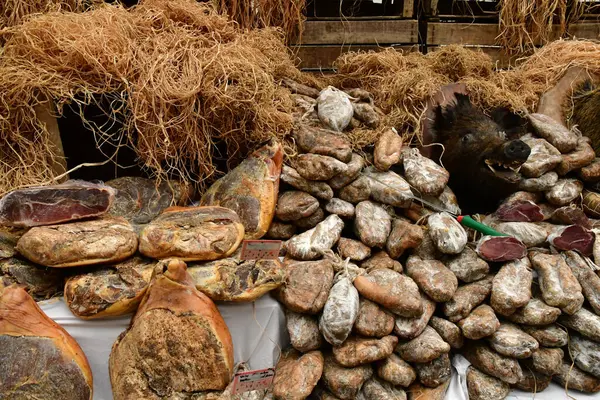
pixel 13 12
pixel 525 23
pixel 402 83
pixel 288 15
pixel 178 76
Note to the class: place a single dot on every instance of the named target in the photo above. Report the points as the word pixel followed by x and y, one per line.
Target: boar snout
pixel 517 150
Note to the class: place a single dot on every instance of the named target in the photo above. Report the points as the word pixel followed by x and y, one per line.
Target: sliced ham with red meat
pixel 573 237
pixel 49 205
pixel 500 248
pixel 520 211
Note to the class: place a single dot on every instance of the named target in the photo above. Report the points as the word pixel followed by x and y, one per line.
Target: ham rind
pixel 573 237
pixel 500 248
pixel 49 205
pixel 520 211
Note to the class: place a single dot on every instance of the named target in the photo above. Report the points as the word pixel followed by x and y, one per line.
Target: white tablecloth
pixel 257 329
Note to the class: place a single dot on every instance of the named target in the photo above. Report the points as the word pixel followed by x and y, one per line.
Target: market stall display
pixel 388 290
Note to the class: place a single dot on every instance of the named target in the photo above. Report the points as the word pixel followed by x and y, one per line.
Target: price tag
pixel 259 379
pixel 260 249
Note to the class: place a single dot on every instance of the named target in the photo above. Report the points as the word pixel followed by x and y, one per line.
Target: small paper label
pixel 260 249
pixel 248 381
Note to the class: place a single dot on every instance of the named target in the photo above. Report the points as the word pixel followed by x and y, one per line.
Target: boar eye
pixel 466 138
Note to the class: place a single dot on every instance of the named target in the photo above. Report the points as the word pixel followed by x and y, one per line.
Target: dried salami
pixel 543 158
pixel 424 348
pixel 334 108
pixel 357 351
pixel 320 190
pixel 573 378
pixel 558 285
pixel 582 156
pixel 304 331
pixel 467 266
pixel 583 321
pixel 340 312
pixel 511 287
pixel 388 188
pixel 570 215
pixel 587 278
pixel 409 328
pixel 548 336
pixel 466 298
pixel 447 234
pixel 482 386
pixel 482 357
pixel 396 292
pixel 387 150
pixel 323 141
pixel 482 322
pixel 564 192
pixel 511 341
pixel 433 278
pixel 554 132
pixel 427 177
pixel 311 244
pixel 541 184
pixel 396 371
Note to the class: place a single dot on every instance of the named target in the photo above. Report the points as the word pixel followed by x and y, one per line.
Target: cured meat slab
pixel 39 282
pixel 250 189
pixel 520 211
pixel 49 205
pixel 109 291
pixel 79 243
pixel 140 200
pixel 233 279
pixel 192 233
pixel 177 342
pixel 39 359
pixel 573 237
pixel 500 248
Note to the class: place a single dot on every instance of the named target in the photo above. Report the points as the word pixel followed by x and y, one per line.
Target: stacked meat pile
pixel 120 248
pixel 380 291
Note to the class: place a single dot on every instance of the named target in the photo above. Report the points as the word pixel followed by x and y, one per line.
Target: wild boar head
pixel 482 160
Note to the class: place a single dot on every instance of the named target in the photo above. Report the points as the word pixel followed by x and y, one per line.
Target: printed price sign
pixel 260 249
pixel 259 379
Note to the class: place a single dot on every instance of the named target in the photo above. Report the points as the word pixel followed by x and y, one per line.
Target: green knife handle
pixel 478 226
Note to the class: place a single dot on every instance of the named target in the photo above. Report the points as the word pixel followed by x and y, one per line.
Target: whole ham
pixel 250 189
pixel 177 342
pixel 39 359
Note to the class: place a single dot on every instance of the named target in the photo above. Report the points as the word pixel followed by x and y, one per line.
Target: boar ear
pixel 462 100
pixel 586 88
pixel 513 124
pixel 446 118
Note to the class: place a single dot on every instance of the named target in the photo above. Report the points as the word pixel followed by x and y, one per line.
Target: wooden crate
pixel 322 57
pixel 359 8
pixel 325 40
pixel 483 36
pixel 480 10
